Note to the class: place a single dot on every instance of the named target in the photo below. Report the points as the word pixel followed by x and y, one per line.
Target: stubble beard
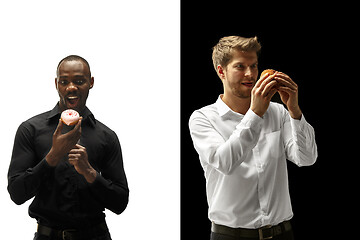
pixel 241 94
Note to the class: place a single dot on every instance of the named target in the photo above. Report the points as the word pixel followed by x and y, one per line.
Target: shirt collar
pixel 86 114
pixel 222 107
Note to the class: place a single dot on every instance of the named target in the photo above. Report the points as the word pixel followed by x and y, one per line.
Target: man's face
pixel 239 76
pixel 73 83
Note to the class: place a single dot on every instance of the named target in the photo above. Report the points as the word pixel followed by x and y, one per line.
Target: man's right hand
pixel 262 93
pixel 62 143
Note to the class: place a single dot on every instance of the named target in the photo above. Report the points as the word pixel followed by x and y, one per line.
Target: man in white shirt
pixel 243 141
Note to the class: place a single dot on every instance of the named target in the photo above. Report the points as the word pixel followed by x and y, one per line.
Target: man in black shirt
pixel 73 176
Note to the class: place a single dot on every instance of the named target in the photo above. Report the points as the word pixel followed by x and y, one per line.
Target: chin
pixel 242 94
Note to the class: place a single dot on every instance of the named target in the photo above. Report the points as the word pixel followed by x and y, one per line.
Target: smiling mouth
pixel 72 100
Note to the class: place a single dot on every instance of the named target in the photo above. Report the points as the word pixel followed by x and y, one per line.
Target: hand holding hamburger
pixel 287 89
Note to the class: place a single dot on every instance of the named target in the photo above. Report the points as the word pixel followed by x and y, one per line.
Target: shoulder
pixel 204 117
pixel 40 117
pixel 105 131
pixel 204 112
pixel 35 122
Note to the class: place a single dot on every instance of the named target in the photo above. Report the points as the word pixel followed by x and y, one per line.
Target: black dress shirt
pixel 63 198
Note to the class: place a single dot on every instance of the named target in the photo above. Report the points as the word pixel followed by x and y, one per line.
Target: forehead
pixel 244 56
pixel 73 67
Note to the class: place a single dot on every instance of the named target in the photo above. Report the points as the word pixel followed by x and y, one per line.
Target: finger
pixel 267 80
pixel 73 162
pixel 74 157
pixel 271 93
pixel 283 75
pixel 262 78
pixel 80 146
pixel 78 152
pixel 283 83
pixel 74 151
pixel 75 133
pixel 285 79
pixel 270 86
pixel 76 147
pixel 59 128
pixel 286 89
pixel 78 125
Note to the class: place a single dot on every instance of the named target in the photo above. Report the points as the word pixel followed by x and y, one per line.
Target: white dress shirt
pixel 244 160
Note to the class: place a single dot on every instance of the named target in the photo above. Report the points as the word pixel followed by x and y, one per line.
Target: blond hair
pixel 223 50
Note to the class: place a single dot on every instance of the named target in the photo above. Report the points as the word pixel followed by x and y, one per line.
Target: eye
pixel 254 66
pixel 79 81
pixel 63 82
pixel 239 66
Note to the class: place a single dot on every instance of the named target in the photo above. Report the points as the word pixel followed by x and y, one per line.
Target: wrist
pixel 258 112
pixel 52 158
pixel 90 175
pixel 295 113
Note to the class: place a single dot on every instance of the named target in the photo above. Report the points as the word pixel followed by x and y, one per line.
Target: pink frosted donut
pixel 70 117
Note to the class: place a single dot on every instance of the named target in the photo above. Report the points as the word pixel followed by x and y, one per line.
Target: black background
pixel 316 47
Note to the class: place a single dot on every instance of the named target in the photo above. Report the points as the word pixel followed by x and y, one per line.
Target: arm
pixel 224 154
pixel 26 172
pixel 110 186
pixel 299 136
pixel 299 139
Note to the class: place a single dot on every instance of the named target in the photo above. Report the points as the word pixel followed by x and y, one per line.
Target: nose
pixel 71 87
pixel 248 72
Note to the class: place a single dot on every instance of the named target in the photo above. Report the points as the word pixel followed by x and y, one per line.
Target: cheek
pixel 60 92
pixel 256 73
pixel 84 93
pixel 236 77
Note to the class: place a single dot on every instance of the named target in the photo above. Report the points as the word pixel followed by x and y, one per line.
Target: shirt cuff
pixel 298 125
pixel 251 120
pixel 42 169
pixel 98 182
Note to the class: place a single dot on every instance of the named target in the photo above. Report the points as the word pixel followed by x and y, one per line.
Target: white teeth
pixel 74 97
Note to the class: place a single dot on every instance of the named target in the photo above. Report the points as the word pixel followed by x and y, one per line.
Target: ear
pixel 56 83
pixel 91 82
pixel 220 71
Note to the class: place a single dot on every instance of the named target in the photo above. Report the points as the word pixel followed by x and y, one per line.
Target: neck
pixel 237 104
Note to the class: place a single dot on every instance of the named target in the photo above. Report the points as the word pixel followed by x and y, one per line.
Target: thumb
pixel 271 93
pixel 59 128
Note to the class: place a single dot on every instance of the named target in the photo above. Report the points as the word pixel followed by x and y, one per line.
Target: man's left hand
pixel 79 159
pixel 288 91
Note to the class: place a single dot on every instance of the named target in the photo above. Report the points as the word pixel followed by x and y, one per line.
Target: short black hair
pixel 73 58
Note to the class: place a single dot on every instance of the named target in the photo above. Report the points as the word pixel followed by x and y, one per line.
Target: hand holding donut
pixel 63 143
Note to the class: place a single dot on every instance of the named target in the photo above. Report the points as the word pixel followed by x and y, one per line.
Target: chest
pixel 226 125
pixel 91 139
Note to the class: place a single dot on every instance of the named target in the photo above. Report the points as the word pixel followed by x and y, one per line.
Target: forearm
pixel 302 148
pixel 225 155
pixel 112 195
pixel 22 186
pixel 295 113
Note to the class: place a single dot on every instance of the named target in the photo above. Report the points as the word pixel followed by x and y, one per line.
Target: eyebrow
pixel 79 76
pixel 245 63
pixel 76 76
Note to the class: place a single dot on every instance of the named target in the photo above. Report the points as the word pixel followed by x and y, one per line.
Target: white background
pixel 133 48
